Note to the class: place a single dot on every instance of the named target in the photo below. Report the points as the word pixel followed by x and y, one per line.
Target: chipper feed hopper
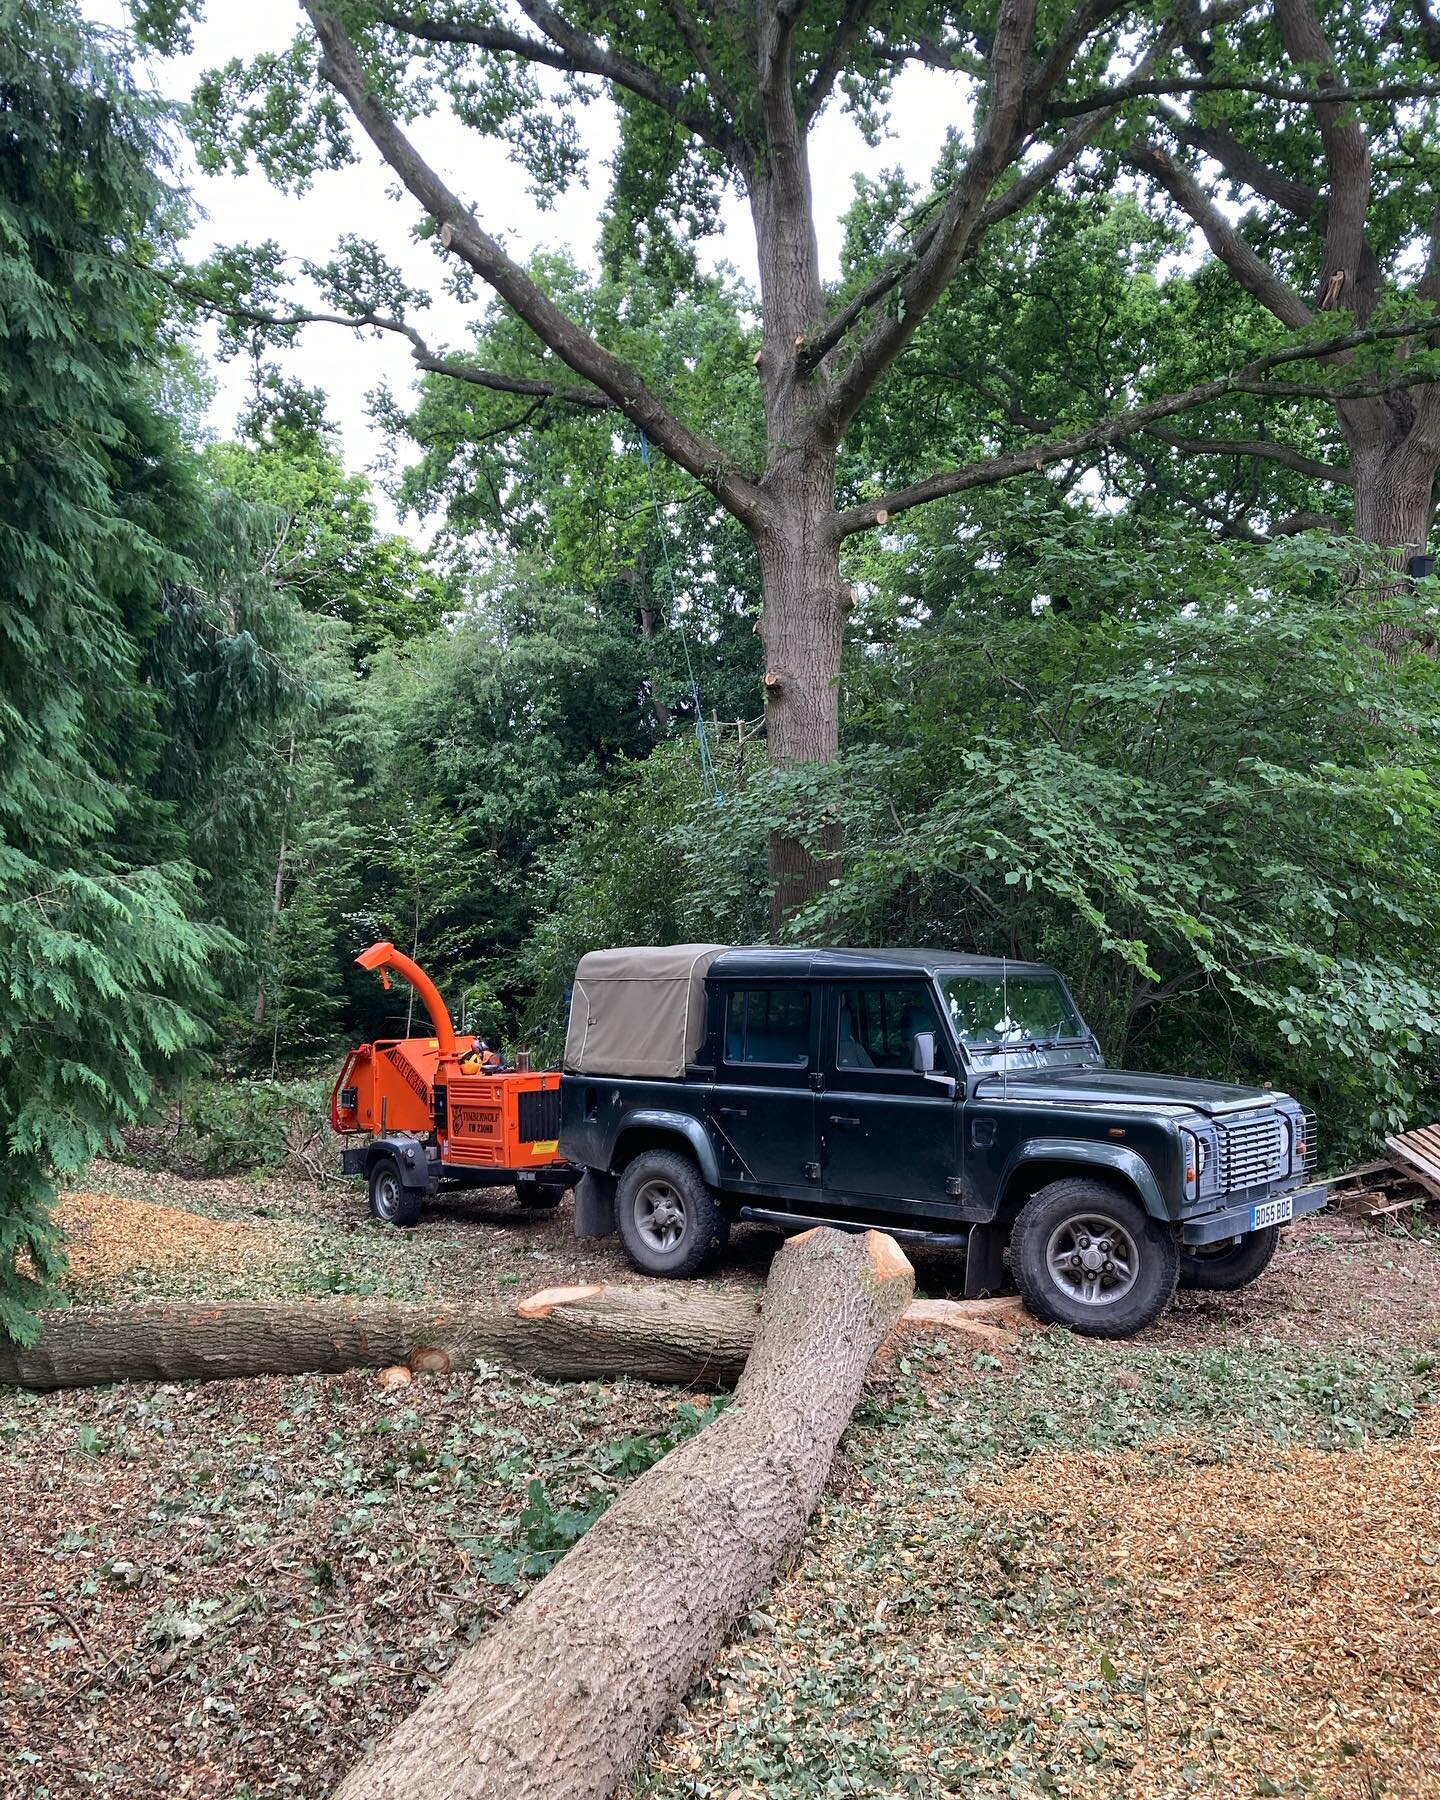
pixel 441 1112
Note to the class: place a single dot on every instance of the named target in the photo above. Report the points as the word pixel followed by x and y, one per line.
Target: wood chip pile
pixel 1268 1624
pixel 106 1236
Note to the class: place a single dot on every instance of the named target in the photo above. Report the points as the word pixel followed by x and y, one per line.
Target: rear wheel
pixel 391 1202
pixel 669 1221
pixel 1224 1267
pixel 1086 1255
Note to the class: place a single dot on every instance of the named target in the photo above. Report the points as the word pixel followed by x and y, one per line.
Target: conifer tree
pixel 104 973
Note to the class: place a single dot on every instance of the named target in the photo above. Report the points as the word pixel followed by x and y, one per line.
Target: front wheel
pixel 669 1221
pixel 1224 1267
pixel 391 1202
pixel 1086 1255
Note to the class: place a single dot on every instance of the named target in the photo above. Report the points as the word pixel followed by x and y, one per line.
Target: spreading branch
pixel 1258 449
pixel 698 455
pixel 566 48
pixel 432 361
pixel 1243 167
pixel 1253 378
pixel 1028 183
pixel 1173 86
pixel 1249 269
pixel 994 151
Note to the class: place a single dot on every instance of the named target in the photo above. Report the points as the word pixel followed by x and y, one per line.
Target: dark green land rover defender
pixel 957 1100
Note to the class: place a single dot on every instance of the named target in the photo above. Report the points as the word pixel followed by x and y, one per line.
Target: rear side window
pixel 878 1026
pixel 768 1025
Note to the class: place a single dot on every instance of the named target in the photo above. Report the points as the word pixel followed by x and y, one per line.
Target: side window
pixel 768 1025
pixel 878 1026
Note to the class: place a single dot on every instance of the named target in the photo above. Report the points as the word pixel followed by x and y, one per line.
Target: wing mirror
pixel 922 1061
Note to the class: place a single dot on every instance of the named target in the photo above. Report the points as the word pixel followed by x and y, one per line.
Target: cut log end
pixel 888 1262
pixel 541 1305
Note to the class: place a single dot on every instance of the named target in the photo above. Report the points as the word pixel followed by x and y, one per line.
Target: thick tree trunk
pixel 802 627
pixel 689 1336
pixel 1394 454
pixel 583 1333
pixel 559 1700
pixel 1394 490
pixel 802 618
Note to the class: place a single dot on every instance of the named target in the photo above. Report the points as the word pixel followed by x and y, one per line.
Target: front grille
pixel 540 1116
pixel 1252 1151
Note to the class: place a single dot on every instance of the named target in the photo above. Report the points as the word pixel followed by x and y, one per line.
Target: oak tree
pixel 737 91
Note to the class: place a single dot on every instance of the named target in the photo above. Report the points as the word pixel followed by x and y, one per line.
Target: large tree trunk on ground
pixel 656 1334
pixel 690 1336
pixel 559 1700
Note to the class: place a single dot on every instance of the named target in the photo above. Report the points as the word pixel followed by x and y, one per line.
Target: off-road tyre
pixel 664 1179
pixel 540 1196
pixel 1050 1228
pixel 1222 1268
pixel 391 1202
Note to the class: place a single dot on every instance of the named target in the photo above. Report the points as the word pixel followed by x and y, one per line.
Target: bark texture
pixel 686 1336
pixel 559 1700
pixel 580 1333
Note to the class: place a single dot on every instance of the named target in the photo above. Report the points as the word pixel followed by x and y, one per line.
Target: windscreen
pixel 1019 1008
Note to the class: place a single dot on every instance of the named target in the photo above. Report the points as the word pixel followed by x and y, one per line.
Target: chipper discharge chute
pixel 444 1111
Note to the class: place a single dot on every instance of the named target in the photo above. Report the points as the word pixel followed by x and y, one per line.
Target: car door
pixel 762 1106
pixel 887 1135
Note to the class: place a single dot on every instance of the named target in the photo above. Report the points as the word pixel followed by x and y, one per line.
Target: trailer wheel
pixel 391 1202
pixel 668 1219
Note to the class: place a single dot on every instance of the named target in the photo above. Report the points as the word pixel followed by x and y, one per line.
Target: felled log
pixel 688 1335
pixel 560 1698
pixel 671 1334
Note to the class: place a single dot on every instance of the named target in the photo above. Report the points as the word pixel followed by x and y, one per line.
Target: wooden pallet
pixel 1418 1153
pixel 1376 1189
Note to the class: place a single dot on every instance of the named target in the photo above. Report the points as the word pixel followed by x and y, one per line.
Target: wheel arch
pixel 409 1155
pixel 653 1129
pixel 1038 1162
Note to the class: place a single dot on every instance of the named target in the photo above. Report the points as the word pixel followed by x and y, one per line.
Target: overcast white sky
pixel 247 209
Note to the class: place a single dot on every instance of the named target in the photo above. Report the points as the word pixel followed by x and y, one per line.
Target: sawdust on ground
pixel 1265 1619
pixel 106 1236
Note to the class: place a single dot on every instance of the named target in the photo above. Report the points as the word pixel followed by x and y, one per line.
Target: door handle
pixel 731 1112
pixel 843 1119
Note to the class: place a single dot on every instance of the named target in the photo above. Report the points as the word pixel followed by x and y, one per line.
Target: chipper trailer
pixel 440 1112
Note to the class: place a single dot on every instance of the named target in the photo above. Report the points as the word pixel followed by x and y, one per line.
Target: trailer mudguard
pixel 1102 1158
pixel 411 1158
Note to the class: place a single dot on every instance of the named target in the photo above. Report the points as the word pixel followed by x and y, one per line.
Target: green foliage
pixel 1180 771
pixel 325 550
pixel 106 975
pixel 542 1532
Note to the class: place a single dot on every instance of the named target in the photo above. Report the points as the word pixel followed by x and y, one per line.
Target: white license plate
pixel 1271 1212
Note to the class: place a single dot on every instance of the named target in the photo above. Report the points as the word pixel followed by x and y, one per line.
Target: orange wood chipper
pixel 441 1111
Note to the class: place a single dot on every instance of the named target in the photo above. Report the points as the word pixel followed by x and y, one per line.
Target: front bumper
pixel 1237 1221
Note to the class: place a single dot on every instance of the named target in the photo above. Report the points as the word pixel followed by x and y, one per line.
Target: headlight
pixel 1192 1156
pixel 1195 1152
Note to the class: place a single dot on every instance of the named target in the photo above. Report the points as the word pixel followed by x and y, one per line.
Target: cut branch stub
pixel 560 1698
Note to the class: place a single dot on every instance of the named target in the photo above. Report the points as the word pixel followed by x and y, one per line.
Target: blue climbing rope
pixel 708 772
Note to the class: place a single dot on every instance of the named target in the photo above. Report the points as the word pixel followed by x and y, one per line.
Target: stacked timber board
pixel 1408 1178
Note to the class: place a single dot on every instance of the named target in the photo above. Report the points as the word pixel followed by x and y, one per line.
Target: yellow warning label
pixel 548 1148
